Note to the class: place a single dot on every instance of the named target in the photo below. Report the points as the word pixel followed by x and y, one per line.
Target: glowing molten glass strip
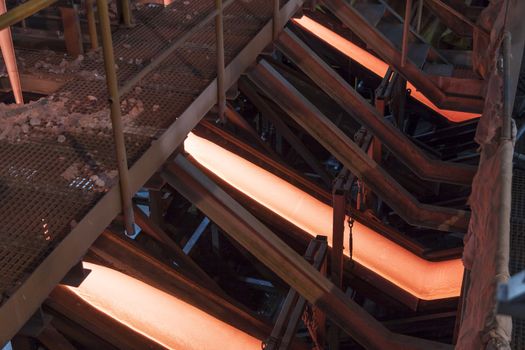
pixel 421 278
pixel 373 64
pixel 159 316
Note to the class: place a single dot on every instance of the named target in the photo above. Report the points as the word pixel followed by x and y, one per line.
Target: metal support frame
pixel 116 117
pixel 23 303
pixel 281 259
pixel 197 234
pixel 337 255
pixel 72 32
pixel 276 25
pixel 334 140
pixel 337 88
pixel 181 258
pixel 406 32
pixel 126 15
pixel 219 45
pixel 288 319
pixel 92 25
pixel 290 136
pixel 236 119
pixel 8 53
pixel 389 53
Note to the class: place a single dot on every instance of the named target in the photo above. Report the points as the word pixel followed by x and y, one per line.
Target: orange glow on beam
pixel 421 278
pixel 374 64
pixel 159 316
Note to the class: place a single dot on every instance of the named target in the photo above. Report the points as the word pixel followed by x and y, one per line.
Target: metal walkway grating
pixel 48 183
pixel 517 247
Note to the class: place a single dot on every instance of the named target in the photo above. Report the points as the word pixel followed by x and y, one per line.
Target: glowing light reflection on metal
pixel 159 316
pixel 423 279
pixel 374 64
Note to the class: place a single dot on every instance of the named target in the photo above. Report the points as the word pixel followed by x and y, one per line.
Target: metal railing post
pixel 8 52
pixel 116 116
pixel 126 13
pixel 221 90
pixel 406 32
pixel 92 25
pixel 275 19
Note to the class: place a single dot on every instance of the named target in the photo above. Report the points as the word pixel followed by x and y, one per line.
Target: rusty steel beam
pixel 236 119
pixel 340 145
pixel 72 32
pixel 289 135
pixel 453 19
pixel 291 300
pixel 353 103
pixel 283 260
pixel 406 32
pixel 186 263
pixel 389 53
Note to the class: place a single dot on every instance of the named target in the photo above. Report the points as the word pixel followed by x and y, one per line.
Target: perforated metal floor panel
pixel 55 171
pixel 517 247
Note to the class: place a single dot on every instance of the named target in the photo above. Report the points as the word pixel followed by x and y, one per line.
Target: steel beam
pixel 23 11
pixel 72 32
pixel 406 32
pixel 236 119
pixel 290 136
pixel 354 104
pixel 184 261
pixel 28 297
pixel 335 141
pixel 281 259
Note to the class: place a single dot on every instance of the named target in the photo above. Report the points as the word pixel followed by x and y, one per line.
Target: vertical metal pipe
pixel 406 32
pixel 419 15
pixel 8 52
pixel 92 25
pixel 339 211
pixel 116 117
pixel 219 31
pixel 507 151
pixel 275 19
pixel 126 13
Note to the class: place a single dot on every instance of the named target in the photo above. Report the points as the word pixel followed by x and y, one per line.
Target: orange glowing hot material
pixel 161 317
pixel 423 279
pixel 373 64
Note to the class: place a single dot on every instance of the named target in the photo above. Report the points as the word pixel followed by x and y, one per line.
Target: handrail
pixel 23 11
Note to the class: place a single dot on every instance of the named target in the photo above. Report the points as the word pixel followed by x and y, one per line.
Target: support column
pixel 8 52
pixel 116 117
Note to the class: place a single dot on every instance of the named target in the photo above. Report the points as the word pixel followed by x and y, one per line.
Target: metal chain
pixel 350 237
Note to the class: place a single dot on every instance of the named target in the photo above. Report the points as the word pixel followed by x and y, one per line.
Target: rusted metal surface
pixel 62 217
